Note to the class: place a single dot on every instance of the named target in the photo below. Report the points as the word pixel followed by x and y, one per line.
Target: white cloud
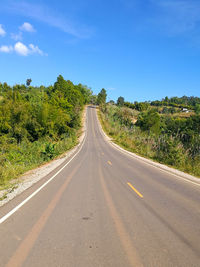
pixel 21 49
pixel 24 50
pixel 17 36
pixel 27 27
pixel 6 49
pixel 34 49
pixel 2 31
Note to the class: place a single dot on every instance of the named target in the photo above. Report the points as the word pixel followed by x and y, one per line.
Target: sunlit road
pixel 104 208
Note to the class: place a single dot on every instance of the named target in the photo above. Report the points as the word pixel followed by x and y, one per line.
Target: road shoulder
pixel 175 172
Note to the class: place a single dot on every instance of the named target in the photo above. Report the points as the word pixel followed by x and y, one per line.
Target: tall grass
pixel 158 148
pixel 16 159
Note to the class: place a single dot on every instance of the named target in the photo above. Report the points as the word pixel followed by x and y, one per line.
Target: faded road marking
pixel 24 248
pixel 134 189
pixel 131 252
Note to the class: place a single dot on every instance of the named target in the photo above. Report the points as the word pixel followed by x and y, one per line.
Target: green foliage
pixel 112 102
pixel 120 101
pixel 101 98
pixel 93 100
pixel 142 106
pixel 129 105
pixel 34 121
pixel 149 121
pixel 178 102
pixel 170 150
pixel 124 116
pixel 170 140
pixel 49 151
pixel 28 82
pixel 197 108
pixel 167 110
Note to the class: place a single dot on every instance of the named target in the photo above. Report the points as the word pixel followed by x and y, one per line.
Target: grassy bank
pixel 37 124
pixel 119 124
pixel 17 159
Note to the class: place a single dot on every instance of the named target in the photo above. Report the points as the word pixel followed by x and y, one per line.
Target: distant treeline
pixel 38 123
pixel 139 127
pixel 191 103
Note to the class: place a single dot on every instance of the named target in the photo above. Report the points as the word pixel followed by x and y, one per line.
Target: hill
pixel 166 131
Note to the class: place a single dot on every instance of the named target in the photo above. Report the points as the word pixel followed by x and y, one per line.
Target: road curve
pixel 104 208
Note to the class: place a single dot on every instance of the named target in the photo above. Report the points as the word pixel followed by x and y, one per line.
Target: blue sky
pixel 138 49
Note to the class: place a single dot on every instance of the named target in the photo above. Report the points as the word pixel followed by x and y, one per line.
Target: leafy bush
pixel 173 141
pixel 37 124
pixel 49 151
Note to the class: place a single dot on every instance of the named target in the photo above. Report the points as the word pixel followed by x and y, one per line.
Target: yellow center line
pixel 134 189
pixel 109 162
pixel 124 236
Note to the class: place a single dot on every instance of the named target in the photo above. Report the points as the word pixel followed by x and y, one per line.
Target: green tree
pixel 129 105
pixel 149 121
pixel 142 106
pixel 86 93
pixel 120 101
pixel 93 99
pixel 101 98
pixel 28 82
pixel 112 102
pixel 197 108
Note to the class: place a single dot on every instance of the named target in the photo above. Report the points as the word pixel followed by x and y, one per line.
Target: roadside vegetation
pixel 166 131
pixel 37 124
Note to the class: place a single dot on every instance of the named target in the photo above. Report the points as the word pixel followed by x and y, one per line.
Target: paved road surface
pixel 104 209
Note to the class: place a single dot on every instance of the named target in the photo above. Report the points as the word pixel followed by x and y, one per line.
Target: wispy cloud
pixel 177 16
pixel 27 27
pixel 2 31
pixel 34 49
pixel 6 49
pixel 17 36
pixel 22 49
pixel 46 15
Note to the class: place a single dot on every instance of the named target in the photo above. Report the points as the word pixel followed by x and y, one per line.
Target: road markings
pixel 134 189
pixel 129 248
pixel 109 162
pixel 5 217
pixel 93 126
pixel 144 160
pixel 25 247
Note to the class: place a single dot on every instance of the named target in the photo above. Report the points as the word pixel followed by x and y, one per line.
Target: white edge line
pixel 132 155
pixel 5 217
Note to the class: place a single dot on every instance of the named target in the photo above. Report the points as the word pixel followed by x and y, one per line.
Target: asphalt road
pixel 104 209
